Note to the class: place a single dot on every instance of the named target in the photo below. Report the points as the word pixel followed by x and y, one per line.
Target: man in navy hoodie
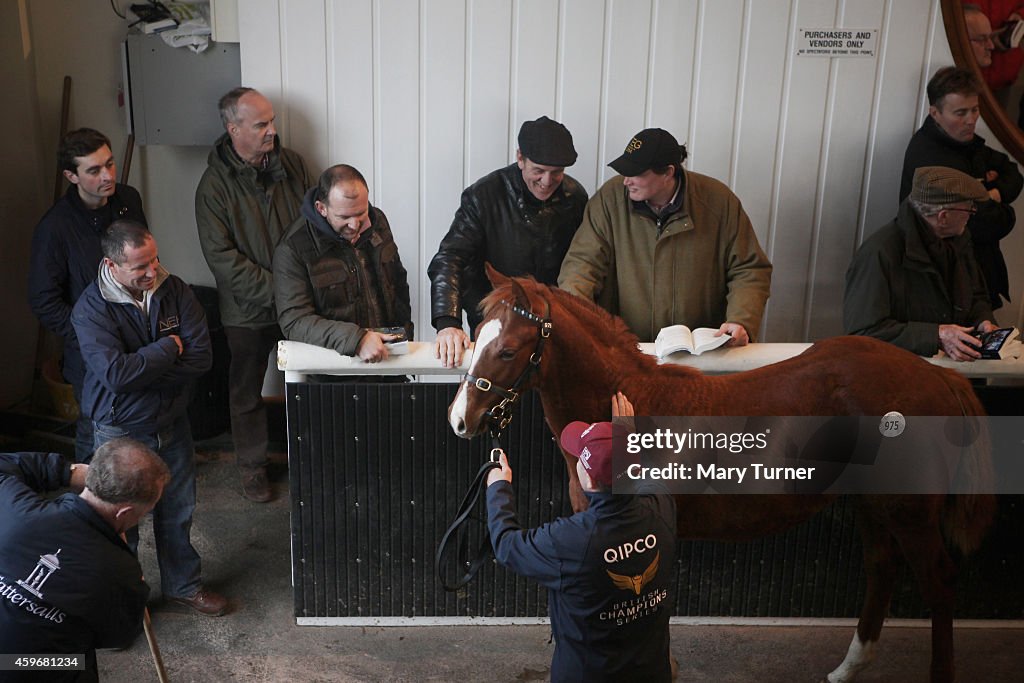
pixel 68 582
pixel 66 248
pixel 144 340
pixel 609 570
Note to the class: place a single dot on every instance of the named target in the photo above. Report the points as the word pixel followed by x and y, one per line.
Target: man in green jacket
pixel 915 282
pixel 660 246
pixel 337 273
pixel 250 193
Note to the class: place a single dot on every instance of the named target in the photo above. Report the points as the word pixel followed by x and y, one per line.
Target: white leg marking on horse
pixel 858 656
pixel 488 333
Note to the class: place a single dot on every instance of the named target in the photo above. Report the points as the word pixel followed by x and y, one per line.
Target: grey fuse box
pixel 171 93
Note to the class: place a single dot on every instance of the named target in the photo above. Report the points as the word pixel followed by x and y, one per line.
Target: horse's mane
pixel 610 330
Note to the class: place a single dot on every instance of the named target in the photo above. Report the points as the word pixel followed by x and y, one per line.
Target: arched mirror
pixel 997 118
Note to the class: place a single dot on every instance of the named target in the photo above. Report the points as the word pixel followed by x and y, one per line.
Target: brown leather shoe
pixel 256 486
pixel 205 602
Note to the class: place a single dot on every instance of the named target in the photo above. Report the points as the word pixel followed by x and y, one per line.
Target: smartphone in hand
pixel 398 333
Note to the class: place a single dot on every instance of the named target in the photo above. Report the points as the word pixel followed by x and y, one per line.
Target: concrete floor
pixel 245 551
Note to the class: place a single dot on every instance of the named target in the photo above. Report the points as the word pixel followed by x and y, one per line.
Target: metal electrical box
pixel 172 93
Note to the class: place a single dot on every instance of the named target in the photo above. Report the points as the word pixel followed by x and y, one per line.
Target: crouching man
pixel 68 582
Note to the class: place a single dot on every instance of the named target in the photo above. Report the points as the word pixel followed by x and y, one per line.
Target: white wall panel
pixel 442 174
pixel 898 84
pixel 396 172
pixel 673 45
pixel 841 183
pixel 765 41
pixel 582 37
pixel 349 97
pixel 427 96
pixel 490 126
pixel 303 106
pixel 805 89
pixel 715 87
pixel 627 77
pixel 259 27
pixel 536 49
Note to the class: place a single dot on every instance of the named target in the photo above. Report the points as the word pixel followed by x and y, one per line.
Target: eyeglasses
pixel 973 210
pixel 984 38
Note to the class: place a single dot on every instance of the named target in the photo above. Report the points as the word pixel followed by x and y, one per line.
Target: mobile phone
pixel 398 332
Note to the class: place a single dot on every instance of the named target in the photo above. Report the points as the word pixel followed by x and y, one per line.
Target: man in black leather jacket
pixel 520 218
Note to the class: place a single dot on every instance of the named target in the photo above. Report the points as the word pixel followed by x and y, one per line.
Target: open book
pixel 994 344
pixel 679 338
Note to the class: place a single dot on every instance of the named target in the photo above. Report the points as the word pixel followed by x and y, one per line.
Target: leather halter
pixel 498 418
pixel 499 415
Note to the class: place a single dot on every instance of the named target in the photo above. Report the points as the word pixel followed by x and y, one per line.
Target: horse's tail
pixel 969 512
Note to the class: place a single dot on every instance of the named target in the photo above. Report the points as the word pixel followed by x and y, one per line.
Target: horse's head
pixel 509 344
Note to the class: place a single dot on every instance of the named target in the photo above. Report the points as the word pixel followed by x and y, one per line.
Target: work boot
pixel 205 602
pixel 256 486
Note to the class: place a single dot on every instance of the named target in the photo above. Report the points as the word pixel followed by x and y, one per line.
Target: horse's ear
pixel 496 278
pixel 520 292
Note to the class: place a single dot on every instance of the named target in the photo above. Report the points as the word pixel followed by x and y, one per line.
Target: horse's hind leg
pixel 881 562
pixel 936 575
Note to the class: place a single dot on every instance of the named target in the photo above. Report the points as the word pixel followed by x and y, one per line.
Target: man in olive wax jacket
pixel 250 193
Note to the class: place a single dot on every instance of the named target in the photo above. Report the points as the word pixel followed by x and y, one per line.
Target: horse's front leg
pixel 881 561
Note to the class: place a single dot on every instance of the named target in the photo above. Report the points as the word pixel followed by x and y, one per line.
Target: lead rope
pixel 469 501
pixel 499 420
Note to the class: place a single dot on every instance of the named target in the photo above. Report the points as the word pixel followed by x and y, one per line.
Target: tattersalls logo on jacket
pixel 33 583
pixel 46 566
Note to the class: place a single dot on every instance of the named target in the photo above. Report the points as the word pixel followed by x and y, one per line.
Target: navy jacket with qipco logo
pixel 610 574
pixel 134 376
pixel 68 583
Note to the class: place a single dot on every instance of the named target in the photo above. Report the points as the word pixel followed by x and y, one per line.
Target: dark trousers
pixel 83 428
pixel 250 349
pixel 74 374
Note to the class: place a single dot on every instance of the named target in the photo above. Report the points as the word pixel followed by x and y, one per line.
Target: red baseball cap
pixel 592 444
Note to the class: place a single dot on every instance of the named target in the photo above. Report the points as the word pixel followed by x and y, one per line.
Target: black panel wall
pixel 376 475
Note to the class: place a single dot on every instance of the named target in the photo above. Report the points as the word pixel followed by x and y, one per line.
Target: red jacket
pixel 1005 65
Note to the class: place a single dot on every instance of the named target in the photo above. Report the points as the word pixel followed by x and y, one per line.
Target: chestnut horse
pixel 577 356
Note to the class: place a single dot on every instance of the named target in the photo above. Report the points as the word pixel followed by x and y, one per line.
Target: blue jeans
pixel 179 562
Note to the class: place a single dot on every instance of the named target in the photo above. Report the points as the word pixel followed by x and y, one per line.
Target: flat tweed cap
pixel 939 185
pixel 547 143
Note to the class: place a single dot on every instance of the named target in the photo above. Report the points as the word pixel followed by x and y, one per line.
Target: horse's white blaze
pixel 858 656
pixel 488 333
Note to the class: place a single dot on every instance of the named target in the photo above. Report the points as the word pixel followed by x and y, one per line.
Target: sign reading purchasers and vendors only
pixel 836 42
